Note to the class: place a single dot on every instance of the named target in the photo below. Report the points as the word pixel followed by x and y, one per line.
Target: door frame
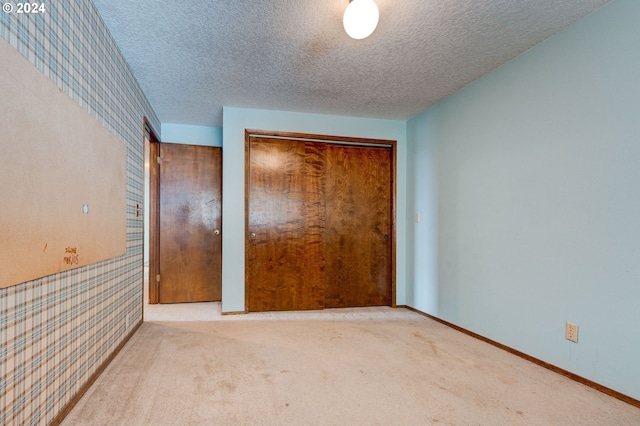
pixel 154 213
pixel 339 140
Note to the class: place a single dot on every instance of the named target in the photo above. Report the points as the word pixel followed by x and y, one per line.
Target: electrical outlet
pixel 571 332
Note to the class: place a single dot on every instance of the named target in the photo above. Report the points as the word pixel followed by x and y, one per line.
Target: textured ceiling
pixel 194 57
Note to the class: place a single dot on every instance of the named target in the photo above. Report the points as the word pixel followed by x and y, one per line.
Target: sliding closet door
pixel 320 223
pixel 358 226
pixel 285 259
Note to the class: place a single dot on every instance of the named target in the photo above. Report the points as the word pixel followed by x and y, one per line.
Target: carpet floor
pixel 381 367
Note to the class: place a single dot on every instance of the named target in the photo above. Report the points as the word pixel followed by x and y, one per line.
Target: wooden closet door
pixel 190 258
pixel 285 260
pixel 358 226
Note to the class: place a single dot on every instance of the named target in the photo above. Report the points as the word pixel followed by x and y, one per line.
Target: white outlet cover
pixel 571 332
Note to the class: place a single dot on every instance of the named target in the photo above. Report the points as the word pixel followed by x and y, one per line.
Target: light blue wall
pixel 235 121
pixel 532 175
pixel 191 135
pixel 422 190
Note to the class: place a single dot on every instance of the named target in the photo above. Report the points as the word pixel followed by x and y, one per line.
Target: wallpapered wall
pixel 56 331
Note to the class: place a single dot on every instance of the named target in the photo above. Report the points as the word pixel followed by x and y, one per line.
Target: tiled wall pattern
pixel 56 331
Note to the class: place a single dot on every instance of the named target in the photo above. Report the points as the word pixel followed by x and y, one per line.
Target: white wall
pixel 530 178
pixel 235 121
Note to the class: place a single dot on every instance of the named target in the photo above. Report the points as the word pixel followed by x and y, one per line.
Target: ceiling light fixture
pixel 360 18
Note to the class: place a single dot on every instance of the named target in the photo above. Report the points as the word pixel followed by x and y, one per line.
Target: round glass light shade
pixel 360 18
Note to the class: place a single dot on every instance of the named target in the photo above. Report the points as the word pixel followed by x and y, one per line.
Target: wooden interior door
pixel 358 226
pixel 285 226
pixel 320 222
pixel 190 223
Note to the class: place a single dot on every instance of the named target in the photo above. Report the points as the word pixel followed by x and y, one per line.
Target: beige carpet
pixel 343 368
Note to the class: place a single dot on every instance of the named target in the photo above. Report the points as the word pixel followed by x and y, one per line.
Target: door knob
pixel 386 237
pixel 216 232
pixel 253 235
